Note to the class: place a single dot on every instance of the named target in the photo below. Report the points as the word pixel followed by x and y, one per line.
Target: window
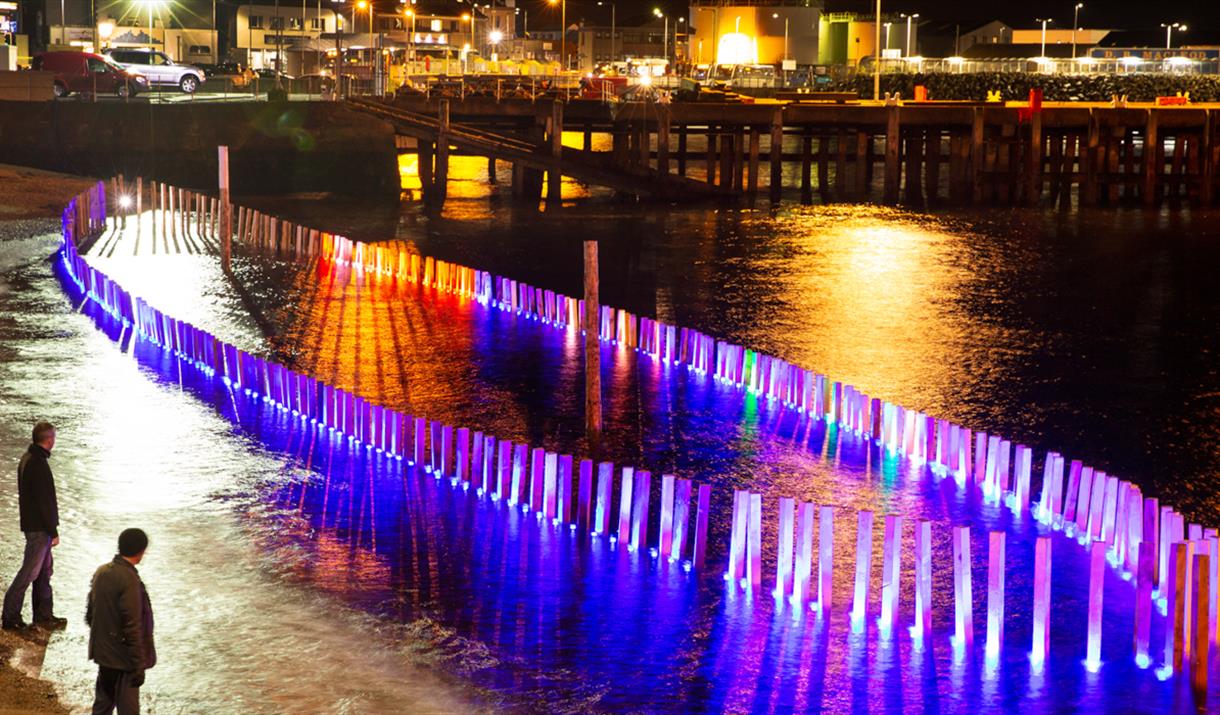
pixel 256 22
pixel 317 23
pixel 277 23
pixel 199 50
pixel 294 23
pixel 96 65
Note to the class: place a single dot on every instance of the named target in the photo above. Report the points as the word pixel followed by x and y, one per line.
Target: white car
pixel 158 68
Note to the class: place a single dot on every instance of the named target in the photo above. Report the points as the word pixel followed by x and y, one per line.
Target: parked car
pixel 159 68
pixel 86 72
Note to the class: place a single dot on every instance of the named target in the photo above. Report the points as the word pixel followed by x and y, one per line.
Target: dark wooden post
pixel 491 170
pixel 1151 142
pixel 1033 187
pixel 976 157
pixel 1088 160
pixel 681 150
pixel 554 179
pixel 777 155
pixel 663 142
pixel 441 175
pixel 593 374
pixel 752 169
pixel 226 211
pixel 1207 191
pixel 893 140
pixel 425 152
pixel 806 167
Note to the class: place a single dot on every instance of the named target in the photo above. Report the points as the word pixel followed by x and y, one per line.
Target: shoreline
pixel 30 206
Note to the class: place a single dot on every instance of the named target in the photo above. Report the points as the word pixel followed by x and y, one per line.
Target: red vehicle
pixel 88 73
pixel 602 87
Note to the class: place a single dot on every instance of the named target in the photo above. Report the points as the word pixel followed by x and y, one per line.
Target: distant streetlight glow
pixel 1045 22
pixel 1169 28
pixel 1075 26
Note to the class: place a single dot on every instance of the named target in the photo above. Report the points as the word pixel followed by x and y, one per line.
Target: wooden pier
pixel 915 154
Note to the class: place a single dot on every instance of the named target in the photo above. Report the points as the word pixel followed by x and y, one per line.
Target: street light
pixel 563 30
pixel 364 5
pixel 1045 22
pixel 1169 28
pixel 657 11
pixel 887 35
pixel 494 38
pixel 1075 27
pixel 411 38
pixel 909 18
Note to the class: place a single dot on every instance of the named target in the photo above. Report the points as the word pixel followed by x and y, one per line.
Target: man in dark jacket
pixel 40 522
pixel 120 621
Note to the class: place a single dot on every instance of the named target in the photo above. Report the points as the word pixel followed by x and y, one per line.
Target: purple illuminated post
pixel 803 569
pixel 826 561
pixel 563 492
pixel 754 543
pixel 537 479
pixel 518 474
pixel 667 515
pixel 624 505
pixel 605 486
pixel 1143 603
pixel 864 562
pixel 1024 466
pixel 891 571
pixel 980 458
pixel 477 466
pixel 1109 512
pixel 1165 539
pixel 783 561
pixel 963 597
pixel 923 580
pixel 700 547
pixel 1083 500
pixel 995 595
pixel 1097 589
pixel 1056 519
pixel 681 520
pixel 1072 493
pixel 1042 600
pixel 1135 528
pixel 1097 505
pixel 446 455
pixel 504 470
pixel 420 426
pixel 991 484
pixel 639 512
pixel 462 466
pixel 584 499
pixel 550 487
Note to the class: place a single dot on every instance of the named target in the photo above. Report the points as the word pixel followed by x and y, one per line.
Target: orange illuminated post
pixel 226 210
pixel 593 374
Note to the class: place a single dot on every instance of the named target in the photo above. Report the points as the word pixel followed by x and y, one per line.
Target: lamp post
pixel 1045 21
pixel 887 34
pixel 1169 28
pixel 877 53
pixel 909 18
pixel 411 38
pixel 665 34
pixel 1075 26
pixel 467 17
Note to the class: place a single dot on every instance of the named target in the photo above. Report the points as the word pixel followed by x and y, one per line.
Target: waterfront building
pixel 757 32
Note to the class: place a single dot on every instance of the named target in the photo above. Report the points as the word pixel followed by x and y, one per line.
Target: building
pixel 846 38
pixel 644 37
pixel 260 33
pixel 761 32
pixel 185 30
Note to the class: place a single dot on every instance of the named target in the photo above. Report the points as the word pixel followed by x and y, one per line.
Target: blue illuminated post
pixel 864 562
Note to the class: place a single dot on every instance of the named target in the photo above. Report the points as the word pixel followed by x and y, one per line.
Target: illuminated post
pixel 783 561
pixel 1096 506
pixel 1042 600
pixel 624 505
pixel 891 571
pixel 995 595
pixel 1143 602
pixel 1097 589
pixel 864 562
pixel 584 496
pixel 804 555
pixel 1082 500
pixel 1073 489
pixel 605 485
pixel 877 54
pixel 550 487
pixel 517 485
pixel 226 211
pixel 681 520
pixel 754 543
pixel 1174 587
pixel 826 561
pixel 700 546
pixel 446 451
pixel 923 579
pixel 964 611
pixel 420 441
pixel 461 470
pixel 666 533
pixel 1022 488
pixel 639 512
pixel 504 469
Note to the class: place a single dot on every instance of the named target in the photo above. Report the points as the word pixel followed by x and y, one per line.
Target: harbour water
pixel 1087 333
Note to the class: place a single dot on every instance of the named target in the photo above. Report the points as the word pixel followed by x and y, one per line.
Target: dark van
pixel 86 72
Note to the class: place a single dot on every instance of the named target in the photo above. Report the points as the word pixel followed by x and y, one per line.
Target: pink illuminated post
pixel 1135 529
pixel 681 520
pixel 995 595
pixel 891 570
pixel 864 562
pixel 826 562
pixel 1143 602
pixel 1083 500
pixel 639 511
pixel 991 466
pixel 1097 589
pixel 462 466
pixel 537 479
pixel 700 546
pixel 783 562
pixel 550 487
pixel 1048 488
pixel 584 496
pixel 563 493
pixel 420 426
pixel 605 487
pixel 489 463
pixel 980 458
pixel 1056 519
pixel 1097 504
pixel 737 537
pixel 923 579
pixel 963 596
pixel 667 515
pixel 1109 511
pixel 517 487
pixel 626 488
pixel 803 569
pixel 754 543
pixel 1072 494
pixel 1042 600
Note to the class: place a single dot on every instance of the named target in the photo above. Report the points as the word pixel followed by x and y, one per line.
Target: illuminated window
pixel 256 22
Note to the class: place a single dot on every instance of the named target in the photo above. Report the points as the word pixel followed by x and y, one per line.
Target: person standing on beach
pixel 120 621
pixel 40 522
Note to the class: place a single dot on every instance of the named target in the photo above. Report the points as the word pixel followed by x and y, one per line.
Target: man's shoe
pixel 17 625
pixel 54 623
